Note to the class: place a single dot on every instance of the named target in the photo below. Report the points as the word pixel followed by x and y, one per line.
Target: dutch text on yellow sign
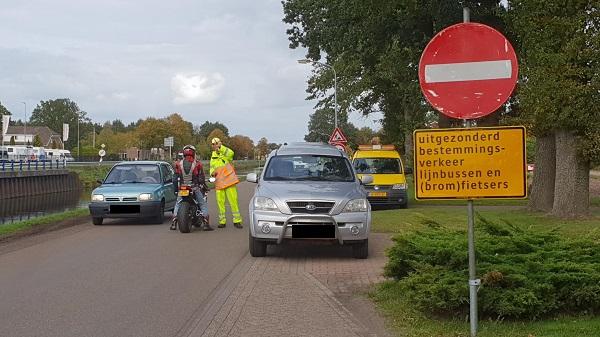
pixel 470 163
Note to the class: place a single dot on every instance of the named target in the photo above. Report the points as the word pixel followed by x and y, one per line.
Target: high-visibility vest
pixel 225 177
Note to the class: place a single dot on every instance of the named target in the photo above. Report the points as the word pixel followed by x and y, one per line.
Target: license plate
pixel 313 232
pixel 378 194
pixel 184 193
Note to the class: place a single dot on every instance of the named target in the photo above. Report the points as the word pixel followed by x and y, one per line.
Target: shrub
pixel 525 274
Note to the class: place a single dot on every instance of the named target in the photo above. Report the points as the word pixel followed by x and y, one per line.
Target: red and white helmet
pixel 189 150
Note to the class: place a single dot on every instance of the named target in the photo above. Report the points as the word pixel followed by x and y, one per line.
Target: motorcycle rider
pixel 189 171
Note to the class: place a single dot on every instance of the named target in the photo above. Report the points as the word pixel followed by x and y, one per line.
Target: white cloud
pixel 197 88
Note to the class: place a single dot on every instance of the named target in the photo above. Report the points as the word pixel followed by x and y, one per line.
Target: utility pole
pixel 25 129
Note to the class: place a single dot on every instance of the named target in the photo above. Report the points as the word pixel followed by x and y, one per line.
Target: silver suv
pixel 309 191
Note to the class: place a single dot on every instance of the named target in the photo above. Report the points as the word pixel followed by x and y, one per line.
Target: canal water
pixel 19 209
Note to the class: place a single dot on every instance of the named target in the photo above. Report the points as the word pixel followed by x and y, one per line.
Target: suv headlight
pixel 399 186
pixel 145 197
pixel 265 204
pixel 97 197
pixel 356 205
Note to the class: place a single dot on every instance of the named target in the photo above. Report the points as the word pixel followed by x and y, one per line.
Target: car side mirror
pixel 408 170
pixel 252 177
pixel 168 181
pixel 366 179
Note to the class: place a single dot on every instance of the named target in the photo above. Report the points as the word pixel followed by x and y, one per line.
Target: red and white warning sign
pixel 337 137
pixel 468 70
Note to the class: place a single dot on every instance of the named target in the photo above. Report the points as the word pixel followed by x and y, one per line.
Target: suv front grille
pixel 310 207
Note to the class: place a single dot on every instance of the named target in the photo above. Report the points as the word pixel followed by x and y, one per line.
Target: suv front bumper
pixel 276 227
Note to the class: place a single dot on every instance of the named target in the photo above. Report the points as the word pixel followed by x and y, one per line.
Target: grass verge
pixel 22 226
pixel 405 320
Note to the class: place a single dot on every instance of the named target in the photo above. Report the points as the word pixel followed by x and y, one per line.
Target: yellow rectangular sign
pixel 470 163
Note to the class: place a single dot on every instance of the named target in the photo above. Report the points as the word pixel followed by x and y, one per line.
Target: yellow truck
pixel 383 162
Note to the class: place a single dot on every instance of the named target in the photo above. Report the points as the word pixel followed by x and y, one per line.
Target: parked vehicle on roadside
pixel 141 189
pixel 384 164
pixel 309 191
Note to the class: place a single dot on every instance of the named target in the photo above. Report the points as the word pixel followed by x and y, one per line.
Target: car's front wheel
pixel 361 250
pixel 257 248
pixel 97 221
pixel 158 219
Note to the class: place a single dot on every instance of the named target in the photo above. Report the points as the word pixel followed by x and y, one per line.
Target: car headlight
pixel 399 186
pixel 265 204
pixel 356 205
pixel 145 197
pixel 97 197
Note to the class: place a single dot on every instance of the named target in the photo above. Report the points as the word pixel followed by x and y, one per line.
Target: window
pixel 377 166
pixel 309 167
pixel 167 174
pixel 129 174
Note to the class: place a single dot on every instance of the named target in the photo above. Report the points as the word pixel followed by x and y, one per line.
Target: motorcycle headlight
pixel 265 204
pixel 399 186
pixel 356 205
pixel 145 197
pixel 97 197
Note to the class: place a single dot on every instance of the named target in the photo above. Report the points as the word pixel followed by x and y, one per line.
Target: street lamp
pixel 25 129
pixel 335 106
pixel 78 149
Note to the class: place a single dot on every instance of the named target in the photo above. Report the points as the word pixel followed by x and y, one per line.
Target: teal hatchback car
pixel 136 189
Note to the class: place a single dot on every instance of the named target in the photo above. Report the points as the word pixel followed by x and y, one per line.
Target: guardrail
pixel 31 165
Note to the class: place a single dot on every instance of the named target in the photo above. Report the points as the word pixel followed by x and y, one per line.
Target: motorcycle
pixel 189 214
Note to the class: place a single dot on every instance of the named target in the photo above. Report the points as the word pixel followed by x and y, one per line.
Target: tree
pixel 3 110
pixel 180 130
pixel 151 132
pixel 37 141
pixel 375 48
pixel 218 133
pixel 117 142
pixel 202 131
pixel 53 113
pixel 118 126
pixel 558 95
pixel 320 125
pixel 262 147
pixel 242 146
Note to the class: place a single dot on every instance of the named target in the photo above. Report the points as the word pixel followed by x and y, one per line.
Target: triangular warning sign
pixel 337 137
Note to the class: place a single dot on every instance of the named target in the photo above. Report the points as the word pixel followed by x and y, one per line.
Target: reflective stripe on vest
pixel 187 177
pixel 225 177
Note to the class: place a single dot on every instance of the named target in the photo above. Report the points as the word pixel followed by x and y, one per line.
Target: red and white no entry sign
pixel 468 70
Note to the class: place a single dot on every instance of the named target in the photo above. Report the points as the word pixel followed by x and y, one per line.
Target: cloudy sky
pixel 216 60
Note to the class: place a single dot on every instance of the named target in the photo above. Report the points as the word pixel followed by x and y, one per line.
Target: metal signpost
pixel 101 153
pixel 468 71
pixel 169 142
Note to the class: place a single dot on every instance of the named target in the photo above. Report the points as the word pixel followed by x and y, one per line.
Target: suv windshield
pixel 123 174
pixel 309 167
pixel 377 166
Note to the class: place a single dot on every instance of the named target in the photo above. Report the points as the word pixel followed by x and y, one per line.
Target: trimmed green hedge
pixel 525 274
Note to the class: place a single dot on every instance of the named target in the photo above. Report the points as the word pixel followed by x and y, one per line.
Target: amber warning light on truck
pixel 470 163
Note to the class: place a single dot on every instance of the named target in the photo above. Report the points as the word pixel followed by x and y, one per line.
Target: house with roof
pixel 25 136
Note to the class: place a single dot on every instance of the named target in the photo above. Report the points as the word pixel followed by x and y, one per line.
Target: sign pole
pixel 473 281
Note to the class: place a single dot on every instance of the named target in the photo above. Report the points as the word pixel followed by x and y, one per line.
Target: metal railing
pixel 31 165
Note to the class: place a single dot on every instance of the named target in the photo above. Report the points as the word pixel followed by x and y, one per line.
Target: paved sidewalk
pixel 291 292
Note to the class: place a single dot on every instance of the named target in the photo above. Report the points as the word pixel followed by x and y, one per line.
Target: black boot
pixel 205 224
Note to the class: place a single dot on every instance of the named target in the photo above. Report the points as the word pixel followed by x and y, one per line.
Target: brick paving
pixel 291 292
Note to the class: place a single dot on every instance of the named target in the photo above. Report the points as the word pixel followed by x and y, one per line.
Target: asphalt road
pixel 125 278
